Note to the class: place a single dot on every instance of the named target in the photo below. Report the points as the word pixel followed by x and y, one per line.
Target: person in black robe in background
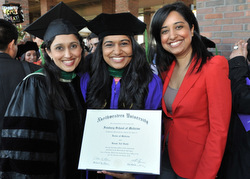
pixel 43 124
pixel 11 71
pixel 236 159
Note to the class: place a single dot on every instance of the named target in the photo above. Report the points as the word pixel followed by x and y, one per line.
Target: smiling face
pixel 66 52
pixel 117 50
pixel 176 35
pixel 30 56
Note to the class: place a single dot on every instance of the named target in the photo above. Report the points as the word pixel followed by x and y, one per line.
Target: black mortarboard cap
pixel 23 48
pixel 207 42
pixel 59 20
pixel 116 24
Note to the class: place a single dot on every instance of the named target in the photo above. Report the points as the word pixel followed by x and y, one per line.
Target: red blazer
pixel 199 124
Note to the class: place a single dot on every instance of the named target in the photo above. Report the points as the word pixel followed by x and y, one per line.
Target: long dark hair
pixel 134 82
pixel 163 57
pixel 53 73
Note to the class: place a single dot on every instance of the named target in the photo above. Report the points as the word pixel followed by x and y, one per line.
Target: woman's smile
pixel 68 62
pixel 117 59
pixel 175 44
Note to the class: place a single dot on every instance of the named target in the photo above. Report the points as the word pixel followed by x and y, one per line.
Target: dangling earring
pixel 131 105
pixel 105 103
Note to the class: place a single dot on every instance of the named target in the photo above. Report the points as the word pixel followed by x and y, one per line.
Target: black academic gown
pixel 236 160
pixel 38 140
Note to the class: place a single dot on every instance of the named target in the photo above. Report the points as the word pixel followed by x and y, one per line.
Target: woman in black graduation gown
pixel 43 125
pixel 236 159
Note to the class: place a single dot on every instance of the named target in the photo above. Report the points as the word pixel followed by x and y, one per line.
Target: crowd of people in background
pixel 51 77
pixel 12 71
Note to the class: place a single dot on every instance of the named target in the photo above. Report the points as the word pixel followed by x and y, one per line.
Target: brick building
pixel 223 21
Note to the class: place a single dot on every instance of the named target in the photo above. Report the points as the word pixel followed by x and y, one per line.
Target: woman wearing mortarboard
pixel 28 52
pixel 43 124
pixel 120 76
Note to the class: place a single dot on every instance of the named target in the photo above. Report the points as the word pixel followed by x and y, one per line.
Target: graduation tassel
pixel 216 50
pixel 41 53
pixel 146 45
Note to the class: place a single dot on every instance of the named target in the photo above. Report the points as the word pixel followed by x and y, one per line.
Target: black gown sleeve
pixel 29 141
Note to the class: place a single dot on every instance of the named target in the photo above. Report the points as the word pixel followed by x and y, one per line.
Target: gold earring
pixel 131 105
pixel 105 103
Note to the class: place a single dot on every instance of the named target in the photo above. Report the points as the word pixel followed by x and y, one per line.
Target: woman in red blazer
pixel 196 96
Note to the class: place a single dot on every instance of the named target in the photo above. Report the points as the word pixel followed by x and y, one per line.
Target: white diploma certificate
pixel 122 141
